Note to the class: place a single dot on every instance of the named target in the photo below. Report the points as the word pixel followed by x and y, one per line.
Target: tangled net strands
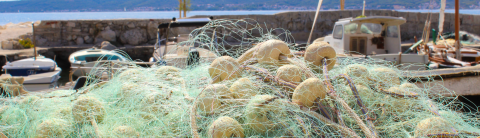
pixel 268 91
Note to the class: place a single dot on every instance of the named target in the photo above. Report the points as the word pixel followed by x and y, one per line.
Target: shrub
pixel 26 43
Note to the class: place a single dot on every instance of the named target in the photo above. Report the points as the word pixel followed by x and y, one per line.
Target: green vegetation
pixel 26 43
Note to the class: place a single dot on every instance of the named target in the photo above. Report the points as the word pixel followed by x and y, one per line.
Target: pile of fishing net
pixel 260 86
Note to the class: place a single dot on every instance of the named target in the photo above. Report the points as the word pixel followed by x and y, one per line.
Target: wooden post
pixel 180 9
pixel 184 8
pixel 457 29
pixel 363 10
pixel 441 19
pixel 342 5
pixel 314 21
pixel 34 44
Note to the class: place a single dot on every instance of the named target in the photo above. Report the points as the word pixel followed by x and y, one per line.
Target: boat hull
pixel 28 71
pixel 43 81
pixel 98 67
pixel 403 61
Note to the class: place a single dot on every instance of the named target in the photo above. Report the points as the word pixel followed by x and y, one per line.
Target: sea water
pixel 36 16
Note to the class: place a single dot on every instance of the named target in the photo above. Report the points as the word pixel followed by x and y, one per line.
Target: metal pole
pixel 314 21
pixel 34 44
pixel 457 29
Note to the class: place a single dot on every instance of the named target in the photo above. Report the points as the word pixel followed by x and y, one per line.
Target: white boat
pixel 83 61
pixel 377 37
pixel 39 73
pixel 181 56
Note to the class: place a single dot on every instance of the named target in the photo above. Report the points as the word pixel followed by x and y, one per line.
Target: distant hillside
pixel 161 5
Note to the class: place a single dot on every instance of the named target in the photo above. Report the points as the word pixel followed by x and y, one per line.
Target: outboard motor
pixel 193 57
pixel 81 81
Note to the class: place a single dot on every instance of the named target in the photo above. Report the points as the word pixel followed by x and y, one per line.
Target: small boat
pixel 376 37
pixel 83 61
pixel 178 54
pixel 39 73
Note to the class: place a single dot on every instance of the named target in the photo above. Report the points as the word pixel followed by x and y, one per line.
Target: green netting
pixel 273 90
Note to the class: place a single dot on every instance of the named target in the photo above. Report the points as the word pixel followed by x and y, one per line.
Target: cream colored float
pixel 210 100
pixel 224 68
pixel 308 92
pixel 225 127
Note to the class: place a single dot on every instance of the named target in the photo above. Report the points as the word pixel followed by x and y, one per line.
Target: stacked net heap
pixel 260 85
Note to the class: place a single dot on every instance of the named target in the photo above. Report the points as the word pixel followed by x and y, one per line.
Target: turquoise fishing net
pixel 158 101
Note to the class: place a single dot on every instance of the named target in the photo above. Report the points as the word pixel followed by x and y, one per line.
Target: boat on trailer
pixel 39 73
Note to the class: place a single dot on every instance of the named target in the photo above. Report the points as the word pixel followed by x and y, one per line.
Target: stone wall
pixel 143 31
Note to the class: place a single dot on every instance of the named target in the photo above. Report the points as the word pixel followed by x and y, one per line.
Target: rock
pixel 91 31
pixel 11 44
pixel 70 24
pixel 152 42
pixel 88 39
pixel 134 37
pixel 79 41
pixel 40 41
pixel 1 27
pixel 152 30
pixel 98 40
pixel 7 45
pixel 131 25
pixel 17 45
pixel 108 35
pixel 107 46
pixel 9 25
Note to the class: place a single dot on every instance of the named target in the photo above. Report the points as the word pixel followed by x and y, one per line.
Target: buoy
pixel 247 55
pixel 130 73
pixel 155 103
pixel 357 71
pixel 261 113
pixel 316 52
pixel 125 131
pixel 290 73
pixel 53 128
pixel 86 109
pixel 432 126
pixel 209 101
pixel 13 89
pixel 400 104
pixel 410 87
pixel 386 76
pixel 308 91
pixel 167 70
pixel 225 127
pixel 243 88
pixel 269 52
pixel 224 68
pixel 19 80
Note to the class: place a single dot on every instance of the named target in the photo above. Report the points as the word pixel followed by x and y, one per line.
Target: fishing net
pixel 258 85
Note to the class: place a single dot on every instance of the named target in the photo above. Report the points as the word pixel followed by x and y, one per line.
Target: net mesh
pixel 266 89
